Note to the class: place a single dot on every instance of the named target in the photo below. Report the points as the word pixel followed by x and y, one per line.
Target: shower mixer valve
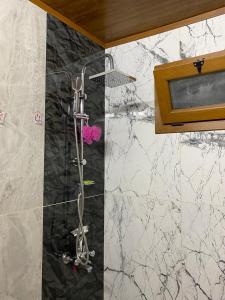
pixel 81 254
pixel 67 259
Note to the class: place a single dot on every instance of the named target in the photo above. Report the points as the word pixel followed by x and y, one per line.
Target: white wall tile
pixel 142 236
pixel 203 167
pixel 164 193
pixel 22 92
pixel 21 255
pixel 203 232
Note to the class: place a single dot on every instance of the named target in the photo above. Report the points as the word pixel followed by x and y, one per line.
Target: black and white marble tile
pixel 21 255
pixel 67 51
pixel 139 163
pixel 203 167
pixel 60 281
pixel 203 232
pixel 142 236
pixel 202 37
pixel 164 202
pixel 22 92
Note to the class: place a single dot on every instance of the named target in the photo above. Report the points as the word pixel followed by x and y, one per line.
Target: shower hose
pixel 82 251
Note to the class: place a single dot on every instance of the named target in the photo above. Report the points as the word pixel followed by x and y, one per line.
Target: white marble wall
pixel 165 194
pixel 22 92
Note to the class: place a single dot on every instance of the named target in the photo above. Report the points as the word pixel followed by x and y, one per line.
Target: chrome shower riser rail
pixel 113 78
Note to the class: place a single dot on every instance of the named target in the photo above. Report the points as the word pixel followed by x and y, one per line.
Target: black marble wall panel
pixel 61 281
pixel 67 51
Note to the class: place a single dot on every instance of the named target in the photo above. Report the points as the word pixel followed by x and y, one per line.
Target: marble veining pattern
pixel 142 242
pixel 203 244
pixel 164 202
pixel 62 281
pixel 21 255
pixel 22 93
pixel 67 51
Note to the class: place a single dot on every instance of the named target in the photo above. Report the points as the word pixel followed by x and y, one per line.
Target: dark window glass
pixel 200 90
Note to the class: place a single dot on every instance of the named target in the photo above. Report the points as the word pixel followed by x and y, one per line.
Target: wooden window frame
pixel 190 119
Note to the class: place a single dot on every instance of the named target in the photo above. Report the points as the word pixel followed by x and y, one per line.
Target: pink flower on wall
pixel 91 134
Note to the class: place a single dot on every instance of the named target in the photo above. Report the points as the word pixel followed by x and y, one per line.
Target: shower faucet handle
pixel 74 162
pixel 75 231
pixel 83 96
pixel 77 262
pixel 66 259
pixel 89 268
pixel 92 253
pixel 84 162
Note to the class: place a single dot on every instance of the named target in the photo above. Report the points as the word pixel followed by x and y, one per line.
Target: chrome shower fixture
pixel 112 78
pixel 76 83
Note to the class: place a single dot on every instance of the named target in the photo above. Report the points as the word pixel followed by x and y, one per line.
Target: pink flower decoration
pixel 87 134
pixel 91 134
pixel 96 133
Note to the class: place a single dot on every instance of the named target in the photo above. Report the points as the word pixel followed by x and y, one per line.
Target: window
pixel 190 94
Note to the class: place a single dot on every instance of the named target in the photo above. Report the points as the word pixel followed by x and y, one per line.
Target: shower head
pixel 112 78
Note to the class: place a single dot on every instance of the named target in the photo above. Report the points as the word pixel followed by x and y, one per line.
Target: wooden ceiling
pixel 113 22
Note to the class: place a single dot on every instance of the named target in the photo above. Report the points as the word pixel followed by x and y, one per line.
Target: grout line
pixel 70 201
pixel 55 204
pixel 16 212
pixel 44 206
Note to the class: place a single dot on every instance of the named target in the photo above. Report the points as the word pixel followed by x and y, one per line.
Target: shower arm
pixel 111 65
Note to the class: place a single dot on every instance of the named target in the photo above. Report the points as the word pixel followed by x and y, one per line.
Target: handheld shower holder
pixel 83 96
pixel 83 162
pixel 80 116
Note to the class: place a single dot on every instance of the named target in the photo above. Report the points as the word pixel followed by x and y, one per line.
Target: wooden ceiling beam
pixel 141 35
pixel 95 22
pixel 67 21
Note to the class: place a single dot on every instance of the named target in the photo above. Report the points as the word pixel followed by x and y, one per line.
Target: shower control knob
pixel 77 262
pixel 84 162
pixel 92 253
pixel 74 161
pixel 89 269
pixel 83 96
pixel 66 259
